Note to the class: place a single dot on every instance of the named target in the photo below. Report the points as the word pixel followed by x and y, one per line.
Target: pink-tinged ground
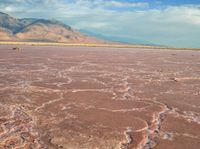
pixel 99 98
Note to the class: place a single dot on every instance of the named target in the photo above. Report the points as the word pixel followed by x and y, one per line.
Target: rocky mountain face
pixel 40 30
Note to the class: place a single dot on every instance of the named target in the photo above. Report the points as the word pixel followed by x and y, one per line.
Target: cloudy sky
pixel 164 22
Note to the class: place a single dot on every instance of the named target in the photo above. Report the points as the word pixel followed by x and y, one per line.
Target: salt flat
pixel 99 98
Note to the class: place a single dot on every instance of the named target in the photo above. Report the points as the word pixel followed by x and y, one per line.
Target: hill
pixel 40 30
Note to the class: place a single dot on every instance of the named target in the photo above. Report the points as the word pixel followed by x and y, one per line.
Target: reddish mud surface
pixel 99 98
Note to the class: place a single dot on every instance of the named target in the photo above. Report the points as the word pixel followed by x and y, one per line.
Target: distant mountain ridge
pixel 118 39
pixel 31 29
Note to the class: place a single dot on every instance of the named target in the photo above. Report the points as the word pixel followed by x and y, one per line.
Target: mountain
pixel 5 34
pixel 31 29
pixel 119 39
pixel 9 23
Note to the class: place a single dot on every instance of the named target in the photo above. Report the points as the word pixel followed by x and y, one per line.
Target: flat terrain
pixel 99 98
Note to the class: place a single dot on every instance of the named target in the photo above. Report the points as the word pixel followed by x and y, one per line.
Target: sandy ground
pixel 99 98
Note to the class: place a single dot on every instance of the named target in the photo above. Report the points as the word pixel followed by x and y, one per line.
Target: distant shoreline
pixel 91 45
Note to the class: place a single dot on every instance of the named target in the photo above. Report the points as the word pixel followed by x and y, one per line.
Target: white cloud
pixel 125 4
pixel 94 25
pixel 8 9
pixel 109 3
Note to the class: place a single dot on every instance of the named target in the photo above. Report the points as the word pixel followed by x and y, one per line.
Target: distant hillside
pixel 28 29
pixel 5 34
pixel 118 39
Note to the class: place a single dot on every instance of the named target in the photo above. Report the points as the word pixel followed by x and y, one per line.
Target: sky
pixel 174 23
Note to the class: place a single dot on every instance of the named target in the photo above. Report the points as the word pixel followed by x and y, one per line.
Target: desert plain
pixel 54 97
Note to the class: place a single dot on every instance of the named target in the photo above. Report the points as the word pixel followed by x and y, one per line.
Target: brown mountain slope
pixel 45 30
pixel 10 23
pixel 40 30
pixel 5 34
